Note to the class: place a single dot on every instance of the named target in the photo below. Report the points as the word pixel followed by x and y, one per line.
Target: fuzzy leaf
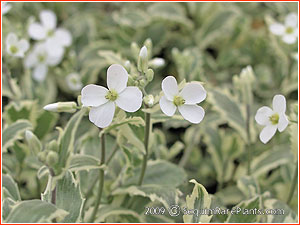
pixel 11 188
pixel 199 199
pixel 35 211
pixel 13 132
pixel 287 215
pixel 84 162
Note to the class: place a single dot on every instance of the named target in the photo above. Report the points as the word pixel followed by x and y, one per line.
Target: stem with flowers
pixel 101 179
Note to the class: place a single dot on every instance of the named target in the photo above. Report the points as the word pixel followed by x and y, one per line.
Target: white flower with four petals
pixel 272 119
pixel 55 38
pixel 103 101
pixel 15 47
pixel 39 59
pixel 186 101
pixel 289 30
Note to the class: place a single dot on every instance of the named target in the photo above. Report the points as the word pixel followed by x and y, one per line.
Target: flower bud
pixel 69 107
pixel 135 50
pixel 148 44
pixel 53 145
pixel 130 80
pixel 143 60
pixel 149 75
pixel 42 156
pixel 142 83
pixel 33 142
pixel 149 100
pixel 52 158
pixel 157 62
pixel 127 66
pixel 79 100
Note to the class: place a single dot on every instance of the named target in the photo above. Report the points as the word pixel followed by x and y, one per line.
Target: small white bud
pixel 149 100
pixel 144 52
pixel 69 107
pixel 157 62
pixel 51 107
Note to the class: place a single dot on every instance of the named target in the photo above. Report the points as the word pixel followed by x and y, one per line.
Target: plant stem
pixel 249 138
pixel 146 142
pixel 101 179
pixel 53 192
pixel 293 186
pixel 115 149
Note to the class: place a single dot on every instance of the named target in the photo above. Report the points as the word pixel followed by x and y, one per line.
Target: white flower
pixel 272 119
pixel 74 82
pixel 56 38
pixel 15 47
pixel 103 101
pixel 39 59
pixel 186 101
pixel 289 30
pixel 5 7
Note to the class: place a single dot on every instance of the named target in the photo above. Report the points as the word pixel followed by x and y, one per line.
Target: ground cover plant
pixel 150 112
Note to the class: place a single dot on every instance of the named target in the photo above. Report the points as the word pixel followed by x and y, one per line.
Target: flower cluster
pixel 50 49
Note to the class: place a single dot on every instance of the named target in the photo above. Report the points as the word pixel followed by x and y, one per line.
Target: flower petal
pixel 63 37
pixel 30 60
pixel 193 93
pixel 291 20
pixel 36 31
pixel 279 104
pixel 48 19
pixel 267 133
pixel 167 107
pixel 192 113
pixel 40 72
pixel 282 123
pixel 277 29
pixel 102 115
pixel 117 77
pixel 262 115
pixel 169 87
pixel 130 100
pixel 11 39
pixel 23 45
pixel 289 38
pixel 54 49
pixel 93 95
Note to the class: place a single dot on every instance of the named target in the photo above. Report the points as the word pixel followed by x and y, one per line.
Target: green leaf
pixel 111 57
pixel 7 205
pixel 199 199
pixel 107 212
pixel 69 198
pixel 130 136
pixel 270 160
pixel 284 214
pixel 131 17
pixel 160 172
pixel 11 187
pixel 230 110
pixel 249 186
pixel 66 144
pixel 165 194
pixel 170 12
pixel 14 132
pixel 35 211
pixel 84 162
pixel 245 215
pixel 45 123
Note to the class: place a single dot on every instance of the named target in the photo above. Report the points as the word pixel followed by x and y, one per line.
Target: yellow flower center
pixel 289 30
pixel 111 95
pixel 50 33
pixel 178 101
pixel 41 58
pixel 13 49
pixel 274 118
